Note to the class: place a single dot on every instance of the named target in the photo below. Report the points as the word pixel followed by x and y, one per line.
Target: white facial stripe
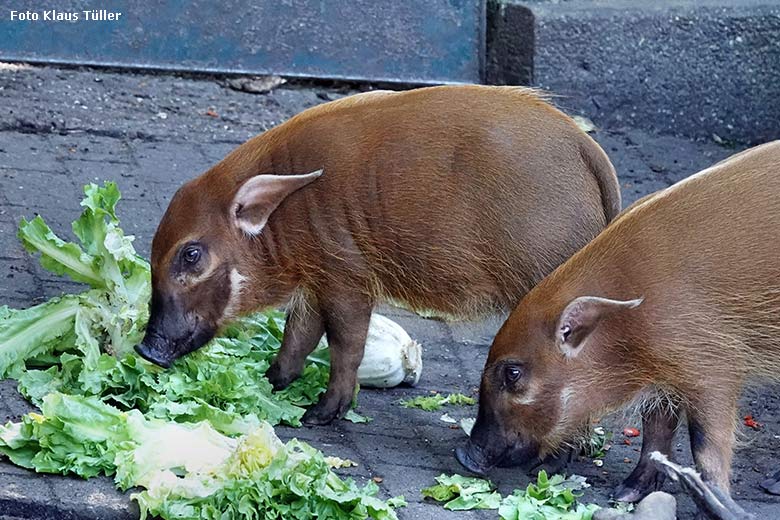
pixel 566 395
pixel 523 400
pixel 236 285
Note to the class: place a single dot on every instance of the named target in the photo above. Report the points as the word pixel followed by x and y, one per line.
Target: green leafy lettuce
pixel 83 344
pixel 462 493
pixel 190 470
pixel 435 402
pixel 104 410
pixel 553 498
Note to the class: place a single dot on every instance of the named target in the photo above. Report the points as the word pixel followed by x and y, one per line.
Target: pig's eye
pixel 191 255
pixel 512 373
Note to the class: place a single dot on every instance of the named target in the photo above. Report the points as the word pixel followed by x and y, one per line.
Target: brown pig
pixel 675 305
pixel 454 199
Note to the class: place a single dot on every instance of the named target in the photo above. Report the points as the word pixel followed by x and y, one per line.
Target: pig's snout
pixel 490 446
pixel 172 332
pixel 153 355
pixel 470 458
pixel 162 350
pixel 480 460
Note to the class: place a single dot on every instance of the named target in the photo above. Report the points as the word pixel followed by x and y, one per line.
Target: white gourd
pixel 391 356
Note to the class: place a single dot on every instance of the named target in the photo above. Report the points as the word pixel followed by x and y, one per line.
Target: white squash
pixel 391 356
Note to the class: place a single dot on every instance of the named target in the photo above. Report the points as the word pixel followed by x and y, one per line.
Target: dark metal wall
pixel 417 41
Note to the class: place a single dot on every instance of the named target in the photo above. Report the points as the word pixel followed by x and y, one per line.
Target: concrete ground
pixel 62 128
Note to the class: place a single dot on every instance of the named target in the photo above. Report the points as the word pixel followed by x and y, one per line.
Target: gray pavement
pixel 685 67
pixel 62 128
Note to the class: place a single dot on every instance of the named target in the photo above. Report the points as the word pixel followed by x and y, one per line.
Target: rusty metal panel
pixel 416 41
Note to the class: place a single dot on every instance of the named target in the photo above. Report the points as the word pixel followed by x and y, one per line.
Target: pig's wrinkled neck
pixel 271 268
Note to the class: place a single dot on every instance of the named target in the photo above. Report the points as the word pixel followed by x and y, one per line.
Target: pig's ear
pixel 258 197
pixel 581 317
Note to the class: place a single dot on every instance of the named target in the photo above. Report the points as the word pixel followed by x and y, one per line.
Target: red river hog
pixel 676 305
pixel 457 199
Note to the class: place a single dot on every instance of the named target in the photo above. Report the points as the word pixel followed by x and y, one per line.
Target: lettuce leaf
pixel 188 470
pixel 83 344
pixel 463 493
pixel 115 312
pixel 553 498
pixel 25 334
pixel 431 403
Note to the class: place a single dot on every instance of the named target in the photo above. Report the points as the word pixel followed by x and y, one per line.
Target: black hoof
pixel 279 379
pixel 324 413
pixel 638 485
pixel 772 484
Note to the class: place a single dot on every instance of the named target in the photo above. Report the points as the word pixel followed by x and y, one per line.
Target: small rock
pixel 655 506
pixel 257 84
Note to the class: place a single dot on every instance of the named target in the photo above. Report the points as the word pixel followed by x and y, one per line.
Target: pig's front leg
pixel 658 427
pixel 346 327
pixel 302 332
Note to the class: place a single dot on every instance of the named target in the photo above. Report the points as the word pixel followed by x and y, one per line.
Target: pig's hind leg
pixel 711 424
pixel 303 330
pixel 659 424
pixel 346 317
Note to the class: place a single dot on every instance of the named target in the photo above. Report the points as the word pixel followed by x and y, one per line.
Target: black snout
pixel 481 460
pixel 152 355
pixel 491 445
pixel 172 332
pixel 463 454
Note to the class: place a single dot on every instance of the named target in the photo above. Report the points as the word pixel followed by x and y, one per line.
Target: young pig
pixel 455 199
pixel 676 304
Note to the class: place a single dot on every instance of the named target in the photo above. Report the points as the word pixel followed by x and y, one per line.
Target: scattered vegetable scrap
pixel 354 417
pixel 752 423
pixel 596 445
pixel 553 498
pixel 337 462
pixel 631 432
pixel 436 401
pixel 463 493
pixel 447 419
pixel 467 424
pixel 549 499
